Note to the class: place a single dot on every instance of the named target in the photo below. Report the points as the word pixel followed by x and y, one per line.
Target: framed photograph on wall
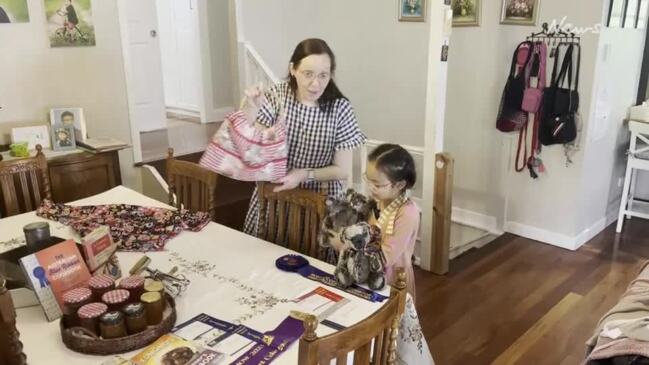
pixel 63 137
pixel 70 117
pixel 466 13
pixel 70 23
pixel 412 10
pixel 520 12
pixel 14 11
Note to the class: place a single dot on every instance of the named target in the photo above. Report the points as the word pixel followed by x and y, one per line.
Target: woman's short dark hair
pixel 67 114
pixel 396 163
pixel 316 46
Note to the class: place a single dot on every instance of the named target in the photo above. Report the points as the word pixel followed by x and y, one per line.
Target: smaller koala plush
pixel 341 213
pixel 362 261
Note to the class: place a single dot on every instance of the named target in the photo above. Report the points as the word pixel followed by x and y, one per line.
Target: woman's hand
pixel 292 180
pixel 254 96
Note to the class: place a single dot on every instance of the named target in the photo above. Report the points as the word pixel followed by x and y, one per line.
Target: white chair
pixel 638 159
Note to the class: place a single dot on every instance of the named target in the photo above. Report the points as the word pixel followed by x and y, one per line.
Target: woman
pixel 321 126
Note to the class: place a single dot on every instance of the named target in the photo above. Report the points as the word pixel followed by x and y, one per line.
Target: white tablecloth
pixel 233 278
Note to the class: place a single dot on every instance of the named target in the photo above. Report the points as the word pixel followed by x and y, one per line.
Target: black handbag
pixel 560 104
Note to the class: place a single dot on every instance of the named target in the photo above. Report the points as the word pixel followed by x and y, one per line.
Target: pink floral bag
pixel 242 151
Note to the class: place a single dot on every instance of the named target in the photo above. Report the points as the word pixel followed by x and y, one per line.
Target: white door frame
pixel 434 123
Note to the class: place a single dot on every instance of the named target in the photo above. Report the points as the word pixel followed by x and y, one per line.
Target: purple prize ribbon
pixel 325 278
pixel 276 342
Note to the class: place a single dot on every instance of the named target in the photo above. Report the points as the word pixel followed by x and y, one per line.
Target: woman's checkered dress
pixel 313 137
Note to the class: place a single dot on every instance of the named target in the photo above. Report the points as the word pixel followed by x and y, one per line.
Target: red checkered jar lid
pixel 115 296
pixel 101 282
pixel 77 295
pixel 92 310
pixel 132 282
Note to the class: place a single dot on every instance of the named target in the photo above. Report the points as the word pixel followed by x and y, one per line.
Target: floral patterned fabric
pixel 133 228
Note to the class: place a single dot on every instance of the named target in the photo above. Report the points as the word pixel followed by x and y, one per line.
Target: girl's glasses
pixel 375 185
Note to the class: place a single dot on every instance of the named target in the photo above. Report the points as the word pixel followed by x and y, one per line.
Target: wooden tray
pixel 77 340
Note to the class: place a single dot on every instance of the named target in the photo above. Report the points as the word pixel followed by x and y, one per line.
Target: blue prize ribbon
pixel 39 273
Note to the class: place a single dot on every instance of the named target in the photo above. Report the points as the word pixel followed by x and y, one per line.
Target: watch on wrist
pixel 310 175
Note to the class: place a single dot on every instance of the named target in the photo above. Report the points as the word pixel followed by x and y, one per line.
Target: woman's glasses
pixel 310 75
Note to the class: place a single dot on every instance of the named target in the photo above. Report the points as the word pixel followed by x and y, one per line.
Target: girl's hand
pixel 254 97
pixel 292 180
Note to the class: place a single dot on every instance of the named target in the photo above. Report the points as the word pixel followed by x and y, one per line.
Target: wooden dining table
pixel 233 278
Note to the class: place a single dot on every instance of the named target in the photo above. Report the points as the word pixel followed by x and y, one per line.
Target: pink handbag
pixel 245 152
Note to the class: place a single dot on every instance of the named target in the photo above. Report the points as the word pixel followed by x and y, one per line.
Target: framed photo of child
pixel 70 117
pixel 70 23
pixel 63 137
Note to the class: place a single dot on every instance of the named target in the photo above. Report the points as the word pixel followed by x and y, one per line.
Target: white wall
pixel 221 51
pixel 35 78
pixel 485 183
pixel 616 87
pixel 382 63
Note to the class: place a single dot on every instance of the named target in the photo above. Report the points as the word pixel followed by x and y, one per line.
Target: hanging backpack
pixel 560 105
pixel 511 116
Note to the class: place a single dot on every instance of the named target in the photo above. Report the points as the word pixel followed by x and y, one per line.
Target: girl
pixel 321 125
pixel 390 174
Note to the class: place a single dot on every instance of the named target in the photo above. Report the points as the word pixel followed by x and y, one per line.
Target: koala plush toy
pixel 362 261
pixel 346 212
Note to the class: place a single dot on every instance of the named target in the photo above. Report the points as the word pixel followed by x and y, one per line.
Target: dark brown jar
pixel 72 301
pixel 89 316
pixel 111 325
pixel 134 285
pixel 100 285
pixel 135 318
pixel 153 306
pixel 116 299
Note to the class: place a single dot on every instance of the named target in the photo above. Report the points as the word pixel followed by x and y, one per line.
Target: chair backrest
pixel 24 183
pixel 373 340
pixel 291 218
pixel 191 186
pixel 11 349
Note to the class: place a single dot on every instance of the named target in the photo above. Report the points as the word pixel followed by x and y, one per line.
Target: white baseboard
pixel 557 239
pixel 189 112
pixel 476 220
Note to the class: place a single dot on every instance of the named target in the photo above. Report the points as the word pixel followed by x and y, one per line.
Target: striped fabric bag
pixel 242 151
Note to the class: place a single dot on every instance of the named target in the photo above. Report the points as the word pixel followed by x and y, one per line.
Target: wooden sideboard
pixel 81 174
pixel 84 174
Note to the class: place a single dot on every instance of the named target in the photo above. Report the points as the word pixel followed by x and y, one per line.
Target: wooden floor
pixel 517 301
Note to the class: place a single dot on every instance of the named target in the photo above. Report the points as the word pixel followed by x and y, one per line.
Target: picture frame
pixel 520 12
pixel 32 135
pixel 71 116
pixel 70 23
pixel 412 10
pixel 466 13
pixel 14 11
pixel 63 138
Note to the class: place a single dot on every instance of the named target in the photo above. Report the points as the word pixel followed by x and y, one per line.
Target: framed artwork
pixel 466 13
pixel 412 10
pixel 14 11
pixel 69 23
pixel 520 12
pixel 70 117
pixel 63 137
pixel 32 135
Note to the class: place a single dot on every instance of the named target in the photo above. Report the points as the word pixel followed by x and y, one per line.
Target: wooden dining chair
pixel 24 183
pixel 373 341
pixel 292 218
pixel 191 186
